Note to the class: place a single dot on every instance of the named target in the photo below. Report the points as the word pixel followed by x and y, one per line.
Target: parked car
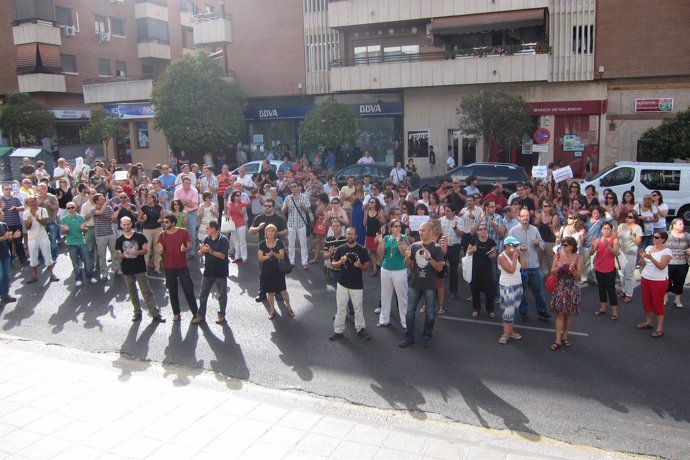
pixel 254 167
pixel 671 179
pixel 487 174
pixel 378 172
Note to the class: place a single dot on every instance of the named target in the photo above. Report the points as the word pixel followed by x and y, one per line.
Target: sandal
pixel 423 309
pixel 555 346
pixel 657 334
pixel 613 317
pixel 644 326
pixel 441 311
pixel 272 315
pixel 600 312
pixel 176 318
pixel 492 315
pixel 291 313
pixel 566 343
pixel 678 305
pixel 475 313
pixel 503 339
pixel 621 295
pixel 382 324
pixel 627 299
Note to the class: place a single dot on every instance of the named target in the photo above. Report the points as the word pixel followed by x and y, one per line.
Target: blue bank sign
pixel 129 111
pixel 291 113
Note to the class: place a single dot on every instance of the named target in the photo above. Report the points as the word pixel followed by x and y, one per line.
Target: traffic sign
pixel 542 136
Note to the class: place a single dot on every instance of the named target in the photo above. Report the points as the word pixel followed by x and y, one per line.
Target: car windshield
pixel 603 172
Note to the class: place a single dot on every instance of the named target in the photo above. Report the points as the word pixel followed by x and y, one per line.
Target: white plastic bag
pixel 467 267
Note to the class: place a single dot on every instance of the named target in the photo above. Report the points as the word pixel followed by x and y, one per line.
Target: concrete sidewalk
pixel 59 403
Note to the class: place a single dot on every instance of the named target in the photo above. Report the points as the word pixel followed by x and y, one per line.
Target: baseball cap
pixel 511 240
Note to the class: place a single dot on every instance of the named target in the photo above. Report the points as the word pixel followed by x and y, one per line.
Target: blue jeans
pixel 76 252
pixel 413 296
pixel 53 234
pixel 535 281
pixel 191 228
pixel 5 264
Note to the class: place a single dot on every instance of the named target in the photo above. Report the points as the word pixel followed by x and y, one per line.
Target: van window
pixel 619 176
pixel 660 179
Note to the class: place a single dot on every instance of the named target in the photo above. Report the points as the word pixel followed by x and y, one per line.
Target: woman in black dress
pixel 484 250
pixel 271 250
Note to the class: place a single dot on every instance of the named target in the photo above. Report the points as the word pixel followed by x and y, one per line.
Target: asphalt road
pixel 616 388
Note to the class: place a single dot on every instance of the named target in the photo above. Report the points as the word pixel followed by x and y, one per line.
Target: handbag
pixel 284 266
pixel 467 267
pixel 621 262
pixel 550 282
pixel 227 226
pixel 320 227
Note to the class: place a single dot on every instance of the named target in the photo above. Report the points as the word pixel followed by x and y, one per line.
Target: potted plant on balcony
pixel 543 47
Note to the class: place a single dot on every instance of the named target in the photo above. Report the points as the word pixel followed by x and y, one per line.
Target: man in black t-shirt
pixel 329 246
pixel 260 222
pixel 215 248
pixel 351 259
pixel 131 247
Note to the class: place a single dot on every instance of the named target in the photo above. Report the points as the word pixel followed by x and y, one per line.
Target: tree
pixel 196 108
pixel 670 140
pixel 25 120
pixel 495 117
pixel 101 128
pixel 331 125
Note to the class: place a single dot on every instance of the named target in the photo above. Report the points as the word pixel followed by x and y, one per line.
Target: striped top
pixel 12 218
pixel 103 224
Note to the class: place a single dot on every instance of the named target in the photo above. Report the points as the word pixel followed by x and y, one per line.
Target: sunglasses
pixel 629 217
pixel 657 237
pixel 71 207
pixel 571 218
pixel 564 245
pixel 511 245
pixel 546 206
pixel 396 226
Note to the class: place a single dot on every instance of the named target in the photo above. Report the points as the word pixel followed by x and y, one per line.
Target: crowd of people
pixel 129 222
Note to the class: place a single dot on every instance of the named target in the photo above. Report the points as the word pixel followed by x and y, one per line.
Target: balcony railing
pixel 506 50
pixel 201 17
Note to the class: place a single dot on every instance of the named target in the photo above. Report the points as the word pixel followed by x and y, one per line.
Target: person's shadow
pixel 134 350
pixel 229 366
pixel 180 355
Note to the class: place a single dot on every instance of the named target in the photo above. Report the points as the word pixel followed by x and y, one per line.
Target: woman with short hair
pixel 679 243
pixel 604 251
pixel 565 299
pixel 629 239
pixel 654 282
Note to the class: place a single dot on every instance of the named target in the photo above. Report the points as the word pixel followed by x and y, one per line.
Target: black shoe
pixel 426 343
pixel 405 343
pixel 335 336
pixel 362 334
pixel 136 317
pixel 523 318
pixel 544 315
pixel 260 298
pixel 8 299
pixel 158 319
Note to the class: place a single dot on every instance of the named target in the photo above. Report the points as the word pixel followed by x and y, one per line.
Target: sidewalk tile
pixel 267 413
pixel 19 439
pixel 195 437
pixel 238 406
pixel 264 451
pixel 27 395
pixel 173 451
pixel 228 446
pixel 368 435
pixel 31 378
pixel 390 454
pixel 333 427
pixel 283 436
pixel 218 421
pixel 408 442
pixel 252 429
pixel 77 431
pixel 443 450
pixel 317 444
pixel 305 456
pixel 48 424
pixel 137 446
pixel 300 420
pixel 78 452
pixel 348 450
pixel 46 447
pixel 483 453
pixel 107 438
pixel 164 429
pixel 23 416
pixel 52 402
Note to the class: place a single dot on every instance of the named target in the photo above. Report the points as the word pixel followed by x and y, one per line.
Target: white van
pixel 671 179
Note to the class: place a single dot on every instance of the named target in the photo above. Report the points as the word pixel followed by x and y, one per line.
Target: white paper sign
pixel 416 221
pixel 540 148
pixel 79 161
pixel 559 175
pixel 539 172
pixel 121 175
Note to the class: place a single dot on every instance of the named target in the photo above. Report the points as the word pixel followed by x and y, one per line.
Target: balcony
pixel 463 67
pixel 211 28
pixel 101 91
pixel 348 13
pixel 36 33
pixel 151 9
pixel 41 82
pixel 186 19
pixel 154 50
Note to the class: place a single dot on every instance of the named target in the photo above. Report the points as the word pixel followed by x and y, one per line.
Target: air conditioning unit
pixel 120 73
pixel 70 31
pixel 104 37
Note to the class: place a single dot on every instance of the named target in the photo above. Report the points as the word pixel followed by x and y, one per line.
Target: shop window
pixel 143 135
pixel 660 179
pixel 418 144
pixel 104 68
pixel 117 27
pixel 583 39
pixel 120 69
pixel 69 63
pixel 618 176
pixel 100 24
pixel 67 134
pixel 152 30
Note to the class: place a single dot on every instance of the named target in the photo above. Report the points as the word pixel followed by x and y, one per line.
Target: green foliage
pixel 102 127
pixel 196 108
pixel 331 125
pixel 670 140
pixel 495 117
pixel 25 119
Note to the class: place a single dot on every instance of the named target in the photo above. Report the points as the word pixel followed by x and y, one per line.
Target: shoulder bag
pixel 305 220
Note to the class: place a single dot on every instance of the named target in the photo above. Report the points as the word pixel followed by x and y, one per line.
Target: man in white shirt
pixel 62 170
pixel 185 171
pixel 450 161
pixel 398 174
pixel 375 193
pixel 366 159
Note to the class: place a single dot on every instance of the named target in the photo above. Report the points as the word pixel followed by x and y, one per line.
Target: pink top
pixel 192 195
pixel 604 261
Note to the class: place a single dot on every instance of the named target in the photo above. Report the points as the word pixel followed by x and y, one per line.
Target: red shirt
pixel 172 256
pixel 500 200
pixel 224 181
pixel 604 260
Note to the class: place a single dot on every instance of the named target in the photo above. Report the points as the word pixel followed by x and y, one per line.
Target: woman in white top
pixel 510 261
pixel 629 238
pixel 662 209
pixel 654 282
pixel 649 214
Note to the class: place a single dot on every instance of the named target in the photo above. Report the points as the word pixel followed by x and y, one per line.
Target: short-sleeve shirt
pixel 172 256
pixel 153 214
pixel 351 276
pixel 274 219
pixel 213 266
pixel 650 271
pixel 103 223
pixel 333 242
pixel 75 236
pixel 423 275
pixel 37 230
pixel 4 248
pixel 132 266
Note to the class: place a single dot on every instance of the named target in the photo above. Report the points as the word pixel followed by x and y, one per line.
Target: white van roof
pixel 651 164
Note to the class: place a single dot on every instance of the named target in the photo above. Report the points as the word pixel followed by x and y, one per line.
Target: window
pixel 69 63
pixel 149 30
pixel 364 54
pixel 142 135
pixel 120 69
pixel 117 27
pixel 67 134
pixel 660 179
pixel 30 10
pixel 104 68
pixel 100 23
pixel 583 39
pixel 63 16
pixel 618 176
pixel 187 37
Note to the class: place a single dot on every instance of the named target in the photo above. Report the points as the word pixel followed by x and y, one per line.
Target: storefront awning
pixel 487 22
pixel 29 153
pixel 5 150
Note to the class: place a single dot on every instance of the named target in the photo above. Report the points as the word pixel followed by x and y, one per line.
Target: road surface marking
pixel 491 323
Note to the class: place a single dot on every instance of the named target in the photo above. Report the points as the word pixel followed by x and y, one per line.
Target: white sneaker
pixel 78 283
pixel 93 280
pixel 377 310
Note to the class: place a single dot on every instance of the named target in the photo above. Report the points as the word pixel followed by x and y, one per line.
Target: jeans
pixel 413 296
pixel 53 233
pixel 191 228
pixel 207 284
pixel 90 237
pixel 18 242
pixel 140 278
pixel 76 252
pixel 535 281
pixel 453 255
pixel 5 264
pixel 172 276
